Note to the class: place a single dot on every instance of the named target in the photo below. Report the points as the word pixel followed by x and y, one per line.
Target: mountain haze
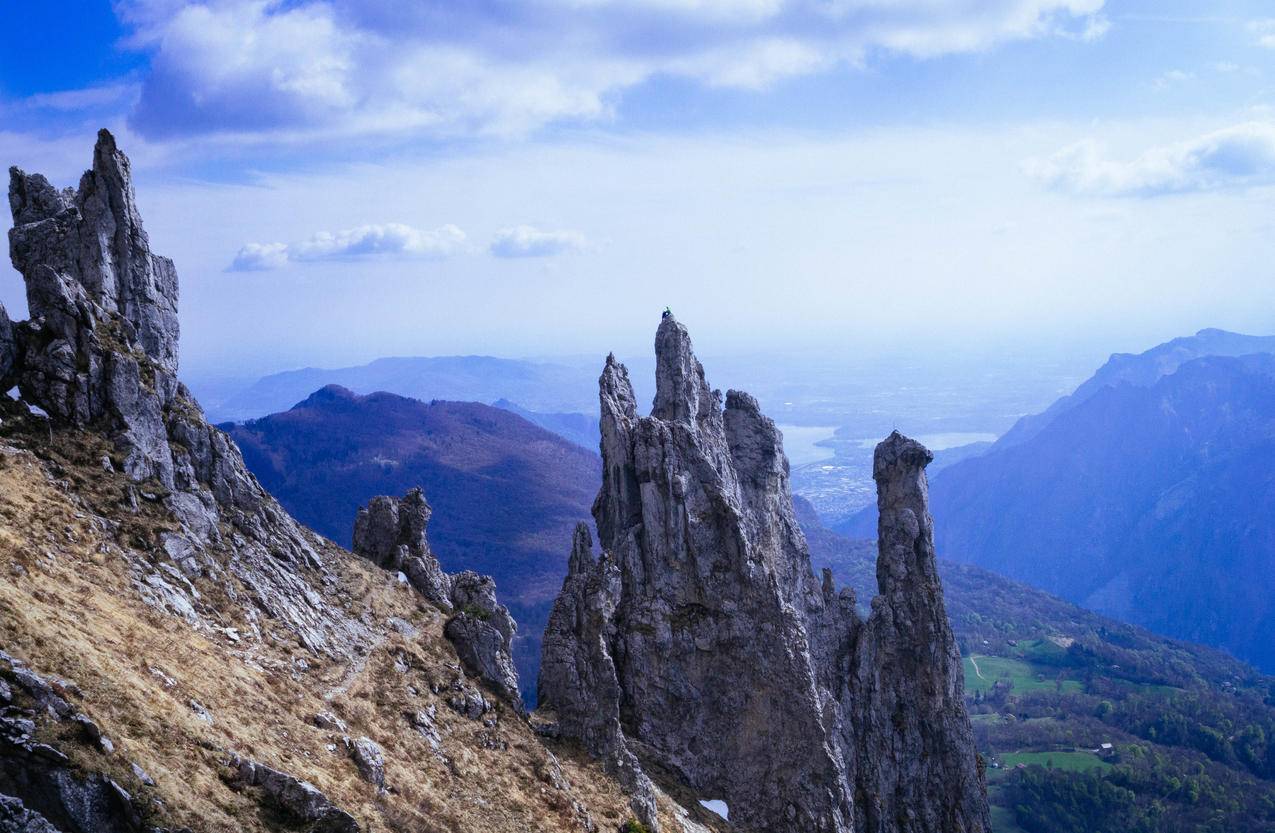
pixel 533 385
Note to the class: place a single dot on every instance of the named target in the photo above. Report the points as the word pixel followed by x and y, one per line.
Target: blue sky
pixel 342 180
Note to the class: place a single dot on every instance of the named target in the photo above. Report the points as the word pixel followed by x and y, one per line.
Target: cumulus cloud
pixel 1237 156
pixel 529 241
pixel 258 257
pixel 265 67
pixel 390 240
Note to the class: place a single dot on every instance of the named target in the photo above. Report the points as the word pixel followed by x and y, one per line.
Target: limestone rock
pixel 370 760
pixel 299 799
pixel 702 639
pixel 482 631
pixel 908 686
pixel 99 353
pixel 391 533
pixel 101 346
pixel 16 818
pixel 8 352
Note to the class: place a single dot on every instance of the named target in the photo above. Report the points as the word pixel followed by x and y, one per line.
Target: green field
pixel 982 672
pixel 1070 761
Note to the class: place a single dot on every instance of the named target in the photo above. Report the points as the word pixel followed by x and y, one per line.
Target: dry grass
pixel 68 608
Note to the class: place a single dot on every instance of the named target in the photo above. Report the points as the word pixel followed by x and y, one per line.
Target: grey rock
pixel 141 775
pixel 469 703
pixel 329 721
pixel 299 799
pixel 391 533
pixel 100 353
pixel 701 637
pixel 908 684
pixel 8 352
pixel 370 760
pixel 482 631
pixel 201 712
pixel 16 818
pixel 424 722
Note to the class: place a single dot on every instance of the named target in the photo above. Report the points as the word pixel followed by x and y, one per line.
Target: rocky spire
pixel 392 533
pixel 100 348
pixel 909 683
pixel 99 355
pixel 702 634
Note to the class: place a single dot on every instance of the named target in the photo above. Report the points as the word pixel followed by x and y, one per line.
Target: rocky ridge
pixel 232 670
pixel 700 640
pixel 99 352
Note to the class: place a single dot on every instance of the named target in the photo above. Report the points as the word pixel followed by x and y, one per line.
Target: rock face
pixel 912 735
pixel 701 640
pixel 100 353
pixel 391 532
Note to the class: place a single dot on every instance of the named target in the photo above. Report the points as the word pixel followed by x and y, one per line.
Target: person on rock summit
pixel 667 313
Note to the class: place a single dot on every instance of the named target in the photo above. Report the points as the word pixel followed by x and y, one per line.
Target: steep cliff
pixel 701 641
pixel 176 652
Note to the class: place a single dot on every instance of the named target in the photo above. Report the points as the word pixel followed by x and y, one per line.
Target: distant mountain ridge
pixel 581 429
pixel 537 386
pixel 1145 495
pixel 506 493
pixel 1141 369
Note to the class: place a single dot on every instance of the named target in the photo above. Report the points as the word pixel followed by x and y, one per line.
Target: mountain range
pixel 536 386
pixel 1146 495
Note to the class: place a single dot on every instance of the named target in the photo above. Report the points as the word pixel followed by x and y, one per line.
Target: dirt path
pixel 974 663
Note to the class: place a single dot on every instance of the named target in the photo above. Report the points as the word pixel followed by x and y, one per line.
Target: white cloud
pixel 1172 78
pixel 1264 31
pixel 1237 156
pixel 390 240
pixel 529 241
pixel 255 68
pixel 258 257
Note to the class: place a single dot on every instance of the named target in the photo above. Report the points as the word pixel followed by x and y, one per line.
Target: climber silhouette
pixel 667 313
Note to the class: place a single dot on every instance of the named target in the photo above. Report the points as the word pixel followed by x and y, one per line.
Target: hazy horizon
pixel 337 182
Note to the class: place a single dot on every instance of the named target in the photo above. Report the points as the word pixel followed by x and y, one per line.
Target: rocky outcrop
pixel 483 631
pixel 909 721
pixel 701 640
pixel 99 353
pixel 299 800
pixel 40 788
pixel 392 533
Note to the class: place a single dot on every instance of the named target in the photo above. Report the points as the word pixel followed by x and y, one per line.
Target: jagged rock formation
pixel 142 560
pixel 701 639
pixel 100 352
pixel 298 800
pixel 913 738
pixel 392 533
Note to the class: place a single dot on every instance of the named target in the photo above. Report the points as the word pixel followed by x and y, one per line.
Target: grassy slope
pixel 68 608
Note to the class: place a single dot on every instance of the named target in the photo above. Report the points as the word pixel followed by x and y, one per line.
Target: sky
pixel 338 181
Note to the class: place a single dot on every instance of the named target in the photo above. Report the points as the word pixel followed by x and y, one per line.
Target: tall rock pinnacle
pixel 99 356
pixel 101 346
pixel 702 640
pixel 909 683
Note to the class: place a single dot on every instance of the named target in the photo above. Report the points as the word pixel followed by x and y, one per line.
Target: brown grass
pixel 68 608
